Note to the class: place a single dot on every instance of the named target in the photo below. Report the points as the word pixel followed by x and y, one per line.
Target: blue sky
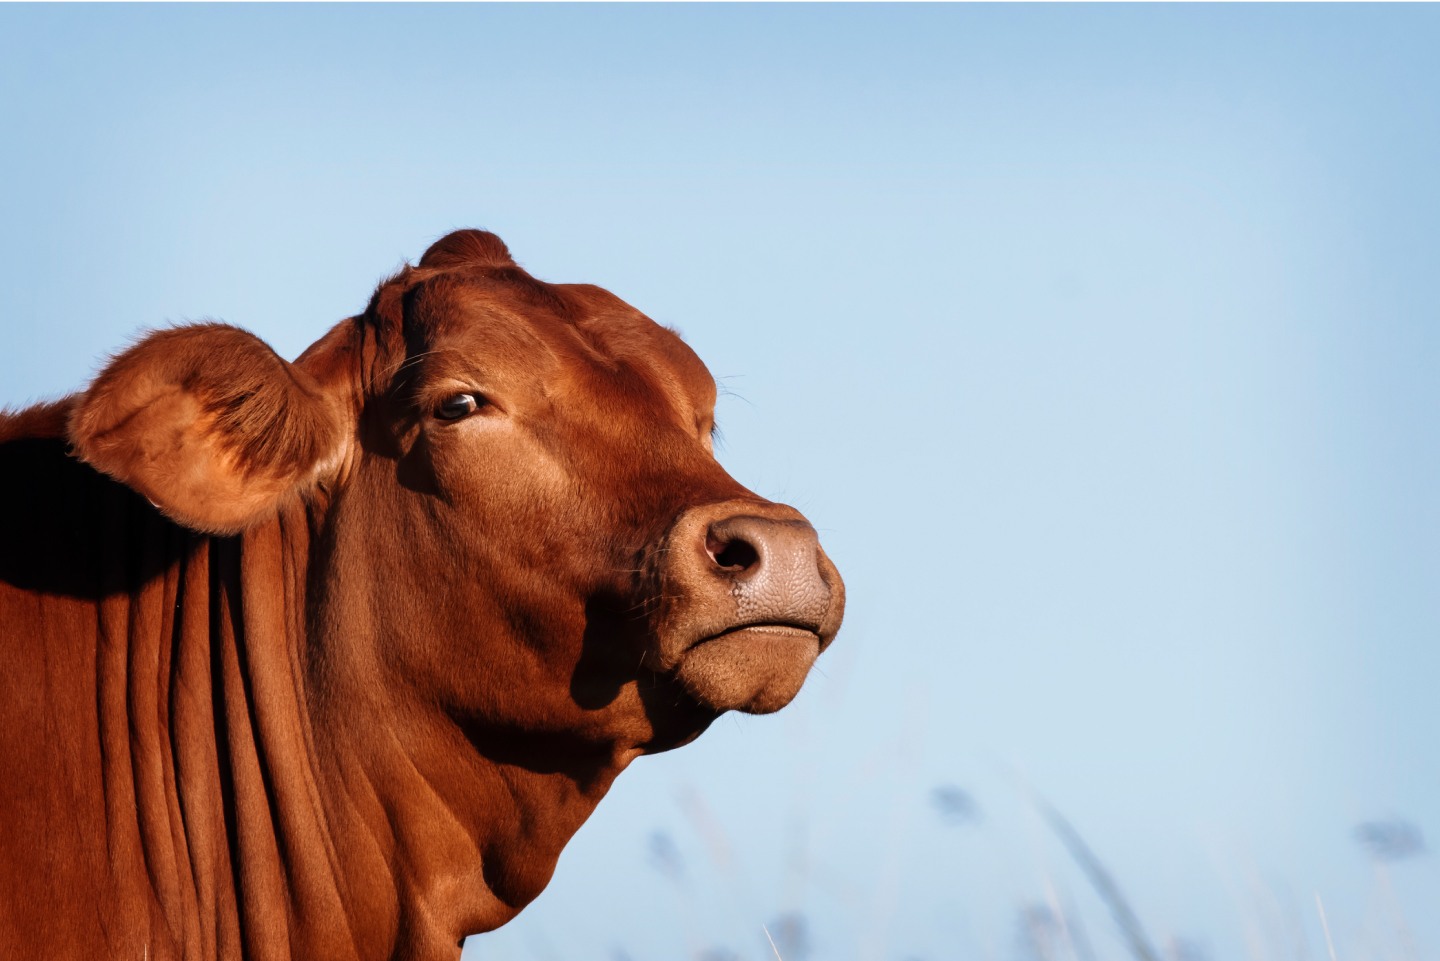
pixel 1099 341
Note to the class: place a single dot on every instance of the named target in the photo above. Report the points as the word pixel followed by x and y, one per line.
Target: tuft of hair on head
pixel 468 248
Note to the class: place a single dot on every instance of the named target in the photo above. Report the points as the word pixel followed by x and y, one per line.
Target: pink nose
pixel 748 601
pixel 769 568
pixel 744 563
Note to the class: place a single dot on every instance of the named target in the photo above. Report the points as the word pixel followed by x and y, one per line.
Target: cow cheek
pixel 525 511
pixel 415 584
pixel 499 620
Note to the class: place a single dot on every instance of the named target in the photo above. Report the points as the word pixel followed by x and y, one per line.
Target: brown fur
pixel 208 422
pixel 296 668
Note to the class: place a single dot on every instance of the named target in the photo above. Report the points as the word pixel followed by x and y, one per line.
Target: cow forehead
pixel 551 331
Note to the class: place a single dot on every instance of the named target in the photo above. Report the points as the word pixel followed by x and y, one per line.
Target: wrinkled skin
pixel 330 659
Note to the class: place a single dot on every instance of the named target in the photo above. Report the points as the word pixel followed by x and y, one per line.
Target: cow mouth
pixel 756 668
pixel 777 629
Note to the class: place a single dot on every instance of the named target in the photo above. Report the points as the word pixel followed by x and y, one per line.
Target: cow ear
pixel 210 424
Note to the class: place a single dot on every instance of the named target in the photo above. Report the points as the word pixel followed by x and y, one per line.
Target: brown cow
pixel 329 659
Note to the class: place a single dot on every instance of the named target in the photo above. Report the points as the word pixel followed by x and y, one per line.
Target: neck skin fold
pixel 202 795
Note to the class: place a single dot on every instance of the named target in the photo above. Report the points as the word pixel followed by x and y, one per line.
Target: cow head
pixel 519 519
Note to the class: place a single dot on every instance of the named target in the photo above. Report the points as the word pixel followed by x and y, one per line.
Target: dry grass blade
pixel 772 943
pixel 1100 880
pixel 1325 926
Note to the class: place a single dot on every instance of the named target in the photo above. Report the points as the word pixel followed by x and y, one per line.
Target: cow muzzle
pixel 749 600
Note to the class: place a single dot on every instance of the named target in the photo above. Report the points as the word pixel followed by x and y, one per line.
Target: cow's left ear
pixel 211 425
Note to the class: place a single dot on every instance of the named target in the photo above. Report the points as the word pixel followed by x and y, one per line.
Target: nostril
pixel 733 555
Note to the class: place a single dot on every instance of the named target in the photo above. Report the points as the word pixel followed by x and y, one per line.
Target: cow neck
pixel 286 871
pixel 448 829
pixel 276 815
pixel 287 858
pixel 442 841
pixel 205 752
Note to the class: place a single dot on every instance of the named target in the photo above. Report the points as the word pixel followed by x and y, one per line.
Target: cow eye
pixel 458 406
